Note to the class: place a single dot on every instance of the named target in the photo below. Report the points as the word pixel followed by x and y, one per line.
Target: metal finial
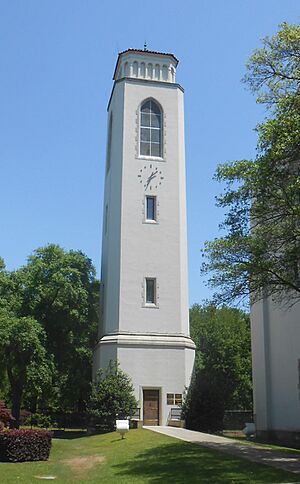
pixel 145 46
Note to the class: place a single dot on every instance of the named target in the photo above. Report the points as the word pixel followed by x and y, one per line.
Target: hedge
pixel 24 445
pixel 5 415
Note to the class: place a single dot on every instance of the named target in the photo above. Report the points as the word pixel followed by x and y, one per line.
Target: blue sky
pixel 57 59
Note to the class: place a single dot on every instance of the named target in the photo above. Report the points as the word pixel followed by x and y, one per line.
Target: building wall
pixel 276 356
pixel 112 211
pixel 154 250
pixel 155 367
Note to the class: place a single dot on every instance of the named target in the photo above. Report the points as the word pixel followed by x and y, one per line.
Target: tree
pixel 112 396
pixel 59 290
pixel 23 354
pixel 222 375
pixel 259 254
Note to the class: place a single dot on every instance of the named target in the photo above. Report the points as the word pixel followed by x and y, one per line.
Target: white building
pixel 145 321
pixel 276 370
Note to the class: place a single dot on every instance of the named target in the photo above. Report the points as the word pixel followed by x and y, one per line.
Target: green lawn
pixel 143 456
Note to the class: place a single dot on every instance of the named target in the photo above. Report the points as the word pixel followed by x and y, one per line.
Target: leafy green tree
pixel 59 290
pixel 222 375
pixel 259 253
pixel 62 293
pixel 112 396
pixel 23 355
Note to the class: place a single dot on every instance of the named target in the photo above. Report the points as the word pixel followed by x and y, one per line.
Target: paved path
pixel 288 461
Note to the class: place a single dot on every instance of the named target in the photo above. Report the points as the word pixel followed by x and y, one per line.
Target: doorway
pixel 151 407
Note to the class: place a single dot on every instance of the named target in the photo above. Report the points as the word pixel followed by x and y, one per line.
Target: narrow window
pixel 178 399
pixel 151 208
pixel 135 69
pixel 106 219
pixel 170 398
pixel 165 73
pixel 108 151
pixel 157 71
pixel 299 378
pixel 150 129
pixel 150 71
pixel 150 291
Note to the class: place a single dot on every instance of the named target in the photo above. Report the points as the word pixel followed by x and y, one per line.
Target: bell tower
pixel 145 320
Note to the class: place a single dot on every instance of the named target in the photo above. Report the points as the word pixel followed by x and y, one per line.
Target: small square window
pixel 150 291
pixel 174 399
pixel 151 208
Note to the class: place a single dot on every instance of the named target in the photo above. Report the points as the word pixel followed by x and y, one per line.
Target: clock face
pixel 150 177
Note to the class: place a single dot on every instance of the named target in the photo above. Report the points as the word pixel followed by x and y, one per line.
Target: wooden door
pixel 151 407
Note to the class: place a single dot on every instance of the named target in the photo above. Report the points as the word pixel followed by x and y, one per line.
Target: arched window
pixel 151 129
pixel 135 69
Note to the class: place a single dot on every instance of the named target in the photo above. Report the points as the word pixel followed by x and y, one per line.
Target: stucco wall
pixel 154 250
pixel 111 234
pixel 276 355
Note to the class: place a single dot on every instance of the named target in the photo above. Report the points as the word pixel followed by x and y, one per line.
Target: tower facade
pixel 275 332
pixel 145 320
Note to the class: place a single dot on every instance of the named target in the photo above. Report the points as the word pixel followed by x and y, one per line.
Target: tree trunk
pixel 17 385
pixel 16 405
pixel 81 406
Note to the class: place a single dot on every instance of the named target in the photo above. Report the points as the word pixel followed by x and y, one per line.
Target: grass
pixel 143 456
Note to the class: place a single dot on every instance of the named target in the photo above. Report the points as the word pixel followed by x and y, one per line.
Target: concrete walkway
pixel 286 460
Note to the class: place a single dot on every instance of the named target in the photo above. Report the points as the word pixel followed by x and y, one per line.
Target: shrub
pixel 39 420
pixel 25 416
pixel 24 445
pixel 5 415
pixel 112 397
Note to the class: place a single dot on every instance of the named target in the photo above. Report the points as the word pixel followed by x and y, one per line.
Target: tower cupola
pixel 146 64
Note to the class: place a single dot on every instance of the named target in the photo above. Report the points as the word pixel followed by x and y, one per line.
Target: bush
pixel 5 415
pixel 112 397
pixel 24 445
pixel 25 416
pixel 203 408
pixel 39 420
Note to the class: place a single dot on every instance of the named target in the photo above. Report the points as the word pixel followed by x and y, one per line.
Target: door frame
pixel 159 389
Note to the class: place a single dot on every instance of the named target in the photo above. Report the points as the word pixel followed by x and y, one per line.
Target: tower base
pixel 160 367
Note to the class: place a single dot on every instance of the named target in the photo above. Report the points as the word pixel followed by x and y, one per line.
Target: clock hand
pixel 153 175
pixel 147 183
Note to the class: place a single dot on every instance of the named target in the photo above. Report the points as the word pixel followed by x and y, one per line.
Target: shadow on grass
pixel 184 462
pixel 69 434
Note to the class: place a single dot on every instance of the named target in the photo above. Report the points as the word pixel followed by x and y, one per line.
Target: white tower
pixel 145 321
